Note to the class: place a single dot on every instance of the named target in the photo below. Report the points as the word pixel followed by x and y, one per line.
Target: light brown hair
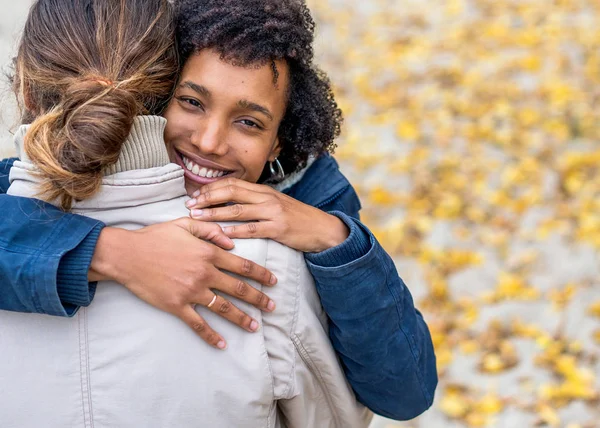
pixel 84 70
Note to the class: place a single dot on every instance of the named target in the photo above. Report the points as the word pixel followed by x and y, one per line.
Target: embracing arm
pixel 48 258
pixel 382 340
pixel 44 257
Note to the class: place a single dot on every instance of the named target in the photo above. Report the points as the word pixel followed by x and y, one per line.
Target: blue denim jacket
pixel 381 339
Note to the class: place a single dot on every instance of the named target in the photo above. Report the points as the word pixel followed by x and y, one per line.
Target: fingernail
pixel 221 344
pixel 191 203
pixel 196 194
pixel 253 325
pixel 196 213
pixel 273 280
pixel 227 230
pixel 271 306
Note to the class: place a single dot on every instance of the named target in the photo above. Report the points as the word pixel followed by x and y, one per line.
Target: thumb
pixel 206 231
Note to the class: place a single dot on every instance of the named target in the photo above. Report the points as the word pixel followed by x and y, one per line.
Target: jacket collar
pixel 320 182
pixel 143 148
pixel 142 175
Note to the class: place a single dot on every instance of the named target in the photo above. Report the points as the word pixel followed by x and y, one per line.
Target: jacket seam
pixel 408 339
pixel 89 371
pixel 294 323
pixel 266 353
pixel 86 400
pixel 332 198
pixel 315 370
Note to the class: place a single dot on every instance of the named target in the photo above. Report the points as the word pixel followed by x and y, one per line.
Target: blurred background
pixel 472 135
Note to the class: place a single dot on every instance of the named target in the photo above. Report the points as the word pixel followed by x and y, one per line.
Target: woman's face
pixel 223 119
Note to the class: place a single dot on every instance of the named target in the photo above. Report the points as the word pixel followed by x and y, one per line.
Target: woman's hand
pixel 270 214
pixel 173 266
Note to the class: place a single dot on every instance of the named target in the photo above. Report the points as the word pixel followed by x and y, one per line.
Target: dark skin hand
pixel 270 214
pixel 176 265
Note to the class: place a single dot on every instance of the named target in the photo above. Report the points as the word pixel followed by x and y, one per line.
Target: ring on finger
pixel 212 302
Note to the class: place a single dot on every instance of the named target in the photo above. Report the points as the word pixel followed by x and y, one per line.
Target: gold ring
pixel 212 302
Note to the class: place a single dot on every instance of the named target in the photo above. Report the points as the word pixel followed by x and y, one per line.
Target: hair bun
pixel 73 145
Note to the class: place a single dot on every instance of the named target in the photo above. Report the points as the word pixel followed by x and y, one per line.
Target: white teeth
pixel 201 171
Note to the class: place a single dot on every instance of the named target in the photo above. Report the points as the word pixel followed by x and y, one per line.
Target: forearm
pixel 383 342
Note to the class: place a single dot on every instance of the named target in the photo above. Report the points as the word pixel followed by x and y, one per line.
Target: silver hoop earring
pixel 280 173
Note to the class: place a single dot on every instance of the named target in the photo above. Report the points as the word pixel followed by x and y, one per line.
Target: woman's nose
pixel 210 138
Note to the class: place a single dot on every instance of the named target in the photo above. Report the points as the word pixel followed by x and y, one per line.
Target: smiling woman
pixel 224 119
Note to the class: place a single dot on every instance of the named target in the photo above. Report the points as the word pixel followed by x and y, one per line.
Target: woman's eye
pixel 191 102
pixel 250 123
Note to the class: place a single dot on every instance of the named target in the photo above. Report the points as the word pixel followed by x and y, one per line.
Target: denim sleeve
pixel 5 166
pixel 384 345
pixel 45 255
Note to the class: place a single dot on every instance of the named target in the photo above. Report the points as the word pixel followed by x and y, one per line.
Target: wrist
pixel 335 234
pixel 112 249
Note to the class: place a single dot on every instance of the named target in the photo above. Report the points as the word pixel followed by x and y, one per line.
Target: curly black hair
pixel 258 32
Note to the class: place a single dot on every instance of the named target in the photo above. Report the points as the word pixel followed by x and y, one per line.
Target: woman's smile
pixel 200 170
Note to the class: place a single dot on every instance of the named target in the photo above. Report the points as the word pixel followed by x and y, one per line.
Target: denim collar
pixel 321 182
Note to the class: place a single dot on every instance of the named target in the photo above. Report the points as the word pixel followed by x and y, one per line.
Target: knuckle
pixel 209 252
pixel 265 274
pixel 187 287
pixel 210 212
pixel 199 326
pixel 212 338
pixel 200 274
pixel 236 210
pixel 247 267
pixel 213 230
pixel 252 228
pixel 232 189
pixel 241 288
pixel 207 195
pixel 278 207
pixel 283 228
pixel 244 320
pixel 174 305
pixel 182 221
pixel 261 300
pixel 225 306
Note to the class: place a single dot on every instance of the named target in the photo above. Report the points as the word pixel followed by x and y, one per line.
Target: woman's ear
pixel 275 151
